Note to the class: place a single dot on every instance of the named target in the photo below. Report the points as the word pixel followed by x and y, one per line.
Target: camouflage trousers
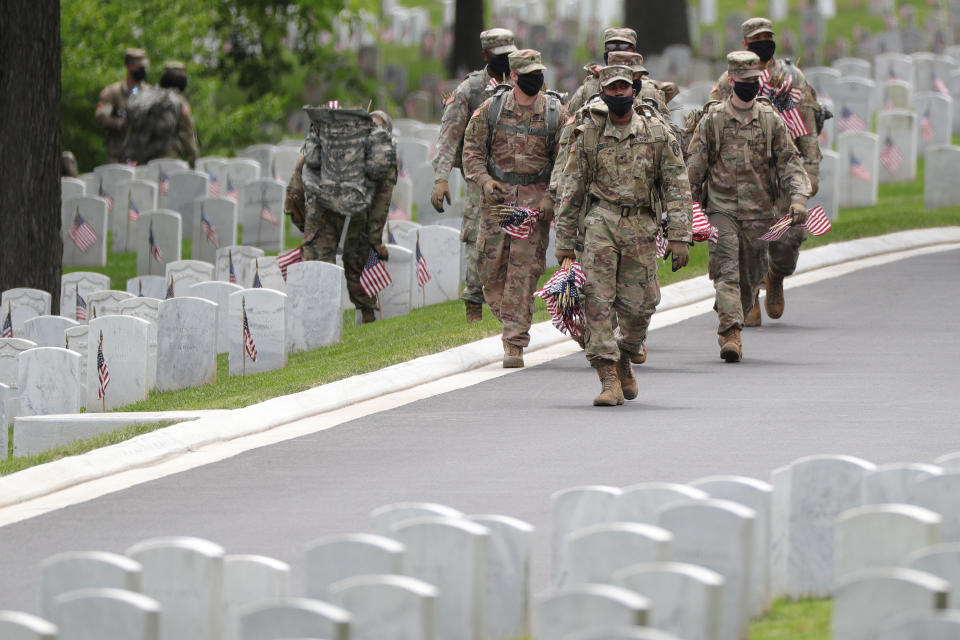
pixel 785 251
pixel 738 263
pixel 509 270
pixel 619 260
pixel 321 236
pixel 472 289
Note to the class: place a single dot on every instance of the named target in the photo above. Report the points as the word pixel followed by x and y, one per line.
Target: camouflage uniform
pixel 185 144
pixel 323 227
pixel 112 107
pixel 785 251
pixel 618 245
pixel 509 268
pixel 740 184
pixel 468 95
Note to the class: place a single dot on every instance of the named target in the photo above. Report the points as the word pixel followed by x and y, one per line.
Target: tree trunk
pixel 466 37
pixel 30 246
pixel 658 24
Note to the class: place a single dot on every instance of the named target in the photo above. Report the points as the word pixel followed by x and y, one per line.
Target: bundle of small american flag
pixel 786 98
pixel 703 231
pixel 563 295
pixel 516 222
pixel 816 223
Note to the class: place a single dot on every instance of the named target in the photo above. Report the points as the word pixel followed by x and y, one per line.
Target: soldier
pixel 617 39
pixel 607 214
pixel 758 37
pixel 184 145
pixel 509 149
pixel 112 106
pixel 470 94
pixel 741 158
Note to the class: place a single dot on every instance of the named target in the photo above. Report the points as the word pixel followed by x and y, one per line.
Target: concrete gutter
pixel 181 438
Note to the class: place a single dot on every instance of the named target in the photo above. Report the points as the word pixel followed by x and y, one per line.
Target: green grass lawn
pixel 794 620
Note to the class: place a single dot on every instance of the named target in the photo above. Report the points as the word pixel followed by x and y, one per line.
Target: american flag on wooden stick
pixel 249 347
pixel 850 121
pixel 563 295
pixel 80 312
pixel 266 214
pixel 82 234
pixel 256 278
pixel 890 156
pixel 209 230
pixel 858 171
pixel 7 331
pixel 517 222
pixel 170 293
pixel 233 274
pixel 103 374
pixel 214 189
pixel 374 277
pixel 154 247
pixel 288 258
pixel 423 274
pixel 816 223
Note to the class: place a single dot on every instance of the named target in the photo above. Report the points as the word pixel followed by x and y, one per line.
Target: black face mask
pixel 746 91
pixel 618 105
pixel 636 86
pixel 763 48
pixel 530 83
pixel 499 65
pixel 140 74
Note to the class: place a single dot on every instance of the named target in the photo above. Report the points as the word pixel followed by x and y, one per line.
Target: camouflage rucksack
pixel 153 115
pixel 340 168
pixel 480 90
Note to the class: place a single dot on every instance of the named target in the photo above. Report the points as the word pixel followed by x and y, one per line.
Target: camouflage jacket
pixel 808 145
pixel 510 151
pixel 384 147
pixel 111 116
pixel 661 92
pixel 186 143
pixel 738 177
pixel 633 166
pixel 468 95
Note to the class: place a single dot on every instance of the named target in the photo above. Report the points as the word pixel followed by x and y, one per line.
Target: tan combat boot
pixel 512 356
pixel 753 319
pixel 474 311
pixel 368 316
pixel 641 356
pixel 610 393
pixel 730 347
pixel 774 302
pixel 628 381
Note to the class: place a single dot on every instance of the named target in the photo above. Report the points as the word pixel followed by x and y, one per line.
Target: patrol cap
pixel 620 34
pixel 615 72
pixel 384 117
pixel 525 61
pixel 743 64
pixel 135 55
pixel 630 59
pixel 755 26
pixel 498 41
pixel 174 65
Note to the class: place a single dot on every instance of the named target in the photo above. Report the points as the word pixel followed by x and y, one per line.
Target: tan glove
pixel 493 191
pixel 564 254
pixel 546 208
pixel 680 252
pixel 381 250
pixel 798 213
pixel 441 192
pixel 814 185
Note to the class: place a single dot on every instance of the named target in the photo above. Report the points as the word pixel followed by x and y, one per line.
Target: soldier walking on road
pixel 509 150
pixel 112 106
pixel 620 164
pixel 470 94
pixel 758 37
pixel 741 159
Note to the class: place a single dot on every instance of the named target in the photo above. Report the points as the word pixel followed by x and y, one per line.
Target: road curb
pixel 181 438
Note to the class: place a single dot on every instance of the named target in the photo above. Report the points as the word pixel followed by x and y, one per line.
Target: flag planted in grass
pixel 155 250
pixel 209 230
pixel 80 313
pixel 249 347
pixel 816 223
pixel 423 274
pixel 516 222
pixel 7 331
pixel 374 277
pixel 563 295
pixel 103 374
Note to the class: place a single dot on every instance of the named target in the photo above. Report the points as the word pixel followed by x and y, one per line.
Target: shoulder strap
pixel 553 115
pixel 493 116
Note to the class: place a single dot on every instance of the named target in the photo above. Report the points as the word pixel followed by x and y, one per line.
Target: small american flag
pixel 82 233
pixel 816 223
pixel 214 189
pixel 154 247
pixel 702 229
pixel 248 345
pixel 661 242
pixel 288 258
pixel 266 214
pixel 786 99
pixel 256 279
pixel 7 331
pixel 927 132
pixel 231 190
pixel 209 230
pixel 170 293
pixel 563 295
pixel 106 196
pixel 102 373
pixel 164 181
pixel 233 274
pixel 133 213
pixel 81 310
pixel 890 156
pixel 857 170
pixel 940 86
pixel 374 277
pixel 423 274
pixel 517 222
pixel 850 121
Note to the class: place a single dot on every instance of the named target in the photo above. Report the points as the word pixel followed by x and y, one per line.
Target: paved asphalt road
pixel 866 364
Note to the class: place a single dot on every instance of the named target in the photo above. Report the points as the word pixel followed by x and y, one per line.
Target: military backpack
pixel 154 117
pixel 479 84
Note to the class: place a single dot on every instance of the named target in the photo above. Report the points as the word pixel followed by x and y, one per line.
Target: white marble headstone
pixel 222 214
pixel 941 494
pixel 186 343
pixel 894 483
pixel 294 618
pixel 382 519
pixel 940 186
pixel 125 353
pixel 893 66
pixel 219 293
pixel 337 557
pixel 10 350
pixel 87 282
pixel 576 508
pixel 16 625
pixel 859 168
pixel 70 187
pixel 266 320
pixel 314 311
pixel 263 154
pixel 270 275
pixel 934 119
pixel 882 535
pixel 440 247
pixel 75 339
pixel 93 210
pixel 187 273
pixel 96 614
pixel 828 195
pixel 596 552
pixel 106 302
pixel 74 570
pixel 185 187
pixel 24 303
pixel 244 261
pixel 148 286
pixel 249 580
pixel 139 196
pixel 168 235
pixel 897 131
pixel 388 607
pixel 285 161
pixel 641 502
pixel 559 614
pixel 47 331
pixel 49 381
pixel 145 309
pixel 508 575
pixel 256 196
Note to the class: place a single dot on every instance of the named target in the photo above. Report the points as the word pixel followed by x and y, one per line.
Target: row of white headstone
pixel 655 560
